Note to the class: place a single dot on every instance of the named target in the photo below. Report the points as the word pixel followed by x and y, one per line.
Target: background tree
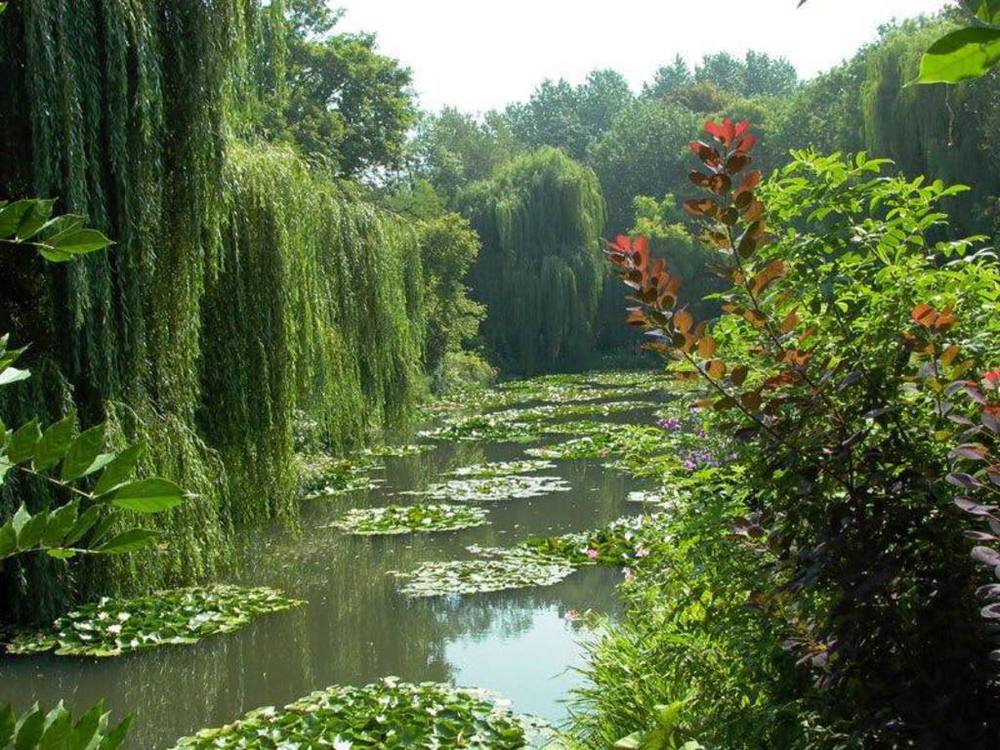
pixel 540 272
pixel 339 100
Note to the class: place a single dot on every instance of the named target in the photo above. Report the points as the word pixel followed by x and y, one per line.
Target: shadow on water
pixel 356 627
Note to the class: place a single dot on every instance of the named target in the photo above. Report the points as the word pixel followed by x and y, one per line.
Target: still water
pixel 356 627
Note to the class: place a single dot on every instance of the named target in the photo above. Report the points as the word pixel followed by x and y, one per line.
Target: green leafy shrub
pixel 838 423
pixel 41 730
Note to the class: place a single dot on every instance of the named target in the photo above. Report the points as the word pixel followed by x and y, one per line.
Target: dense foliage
pixel 539 272
pixel 245 292
pixel 819 372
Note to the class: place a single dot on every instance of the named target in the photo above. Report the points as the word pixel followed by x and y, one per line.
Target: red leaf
pixel 704 207
pixel 706 153
pixel 751 181
pixel 746 145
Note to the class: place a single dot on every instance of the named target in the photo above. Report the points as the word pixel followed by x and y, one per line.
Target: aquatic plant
pixel 386 714
pixel 112 627
pixel 495 488
pixel 502 469
pixel 505 569
pixel 409 519
pixel 628 541
pixel 397 451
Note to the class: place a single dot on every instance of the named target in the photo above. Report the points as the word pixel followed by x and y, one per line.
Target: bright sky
pixel 480 55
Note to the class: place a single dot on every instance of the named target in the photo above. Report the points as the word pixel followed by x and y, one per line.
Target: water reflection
pixel 356 627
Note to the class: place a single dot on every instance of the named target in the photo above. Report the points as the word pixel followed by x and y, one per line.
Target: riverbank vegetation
pixel 312 281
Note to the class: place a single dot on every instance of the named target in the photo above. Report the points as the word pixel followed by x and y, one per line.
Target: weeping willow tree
pixel 245 294
pixel 540 271
pixel 945 132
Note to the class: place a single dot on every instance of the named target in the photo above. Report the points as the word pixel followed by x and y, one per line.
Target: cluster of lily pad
pixel 495 570
pixel 626 542
pixel 327 476
pixel 387 714
pixel 502 468
pixel 397 451
pixel 182 616
pixel 478 427
pixel 409 519
pixel 495 489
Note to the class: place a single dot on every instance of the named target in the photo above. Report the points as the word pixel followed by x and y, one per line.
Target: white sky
pixel 482 54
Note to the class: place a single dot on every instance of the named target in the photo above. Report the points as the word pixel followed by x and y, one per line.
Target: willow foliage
pixel 540 271
pixel 245 290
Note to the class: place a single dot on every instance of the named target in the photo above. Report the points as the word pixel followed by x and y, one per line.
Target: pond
pixel 357 627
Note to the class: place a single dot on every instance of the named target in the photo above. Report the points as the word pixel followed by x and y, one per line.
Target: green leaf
pixel 32 219
pixel 153 495
pixel 21 446
pixel 89 725
pixel 8 545
pixel 13 375
pixel 61 520
pixel 119 470
pixel 128 541
pixel 961 55
pixel 29 729
pixel 8 719
pixel 116 737
pixel 84 523
pixel 13 215
pixel 83 454
pixel 987 11
pixel 632 742
pixel 55 442
pixel 72 244
pixel 31 531
pixel 58 727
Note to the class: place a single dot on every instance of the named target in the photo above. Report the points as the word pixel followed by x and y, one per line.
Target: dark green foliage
pixel 448 248
pixel 539 272
pixel 332 94
pixel 37 729
pixel 944 132
pixel 242 287
pixel 570 117
pixel 452 150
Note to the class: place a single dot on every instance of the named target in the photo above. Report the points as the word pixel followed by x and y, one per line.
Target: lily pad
pixel 409 519
pixel 398 451
pixel 495 489
pixel 182 616
pixel 628 541
pixel 328 476
pixel 506 569
pixel 503 468
pixel 387 714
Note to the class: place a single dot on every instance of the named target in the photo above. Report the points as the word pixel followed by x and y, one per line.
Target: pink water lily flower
pixel 571 615
pixel 641 552
pixel 592 553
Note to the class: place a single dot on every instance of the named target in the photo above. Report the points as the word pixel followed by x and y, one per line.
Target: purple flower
pixel 592 553
pixel 641 552
pixel 670 424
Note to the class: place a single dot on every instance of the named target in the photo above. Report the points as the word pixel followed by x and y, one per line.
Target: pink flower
pixel 571 615
pixel 629 574
pixel 641 552
pixel 992 379
pixel 592 553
